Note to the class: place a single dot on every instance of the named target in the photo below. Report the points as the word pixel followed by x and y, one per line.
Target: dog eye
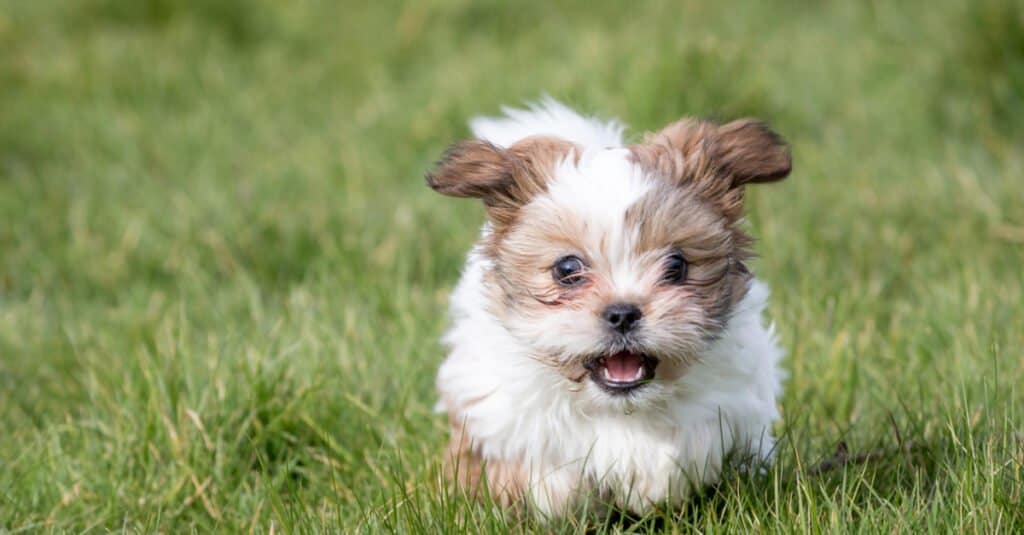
pixel 675 269
pixel 568 271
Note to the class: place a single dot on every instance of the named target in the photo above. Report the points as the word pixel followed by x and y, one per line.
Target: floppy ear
pixel 504 179
pixel 479 170
pixel 717 160
pixel 475 169
pixel 752 153
pixel 744 151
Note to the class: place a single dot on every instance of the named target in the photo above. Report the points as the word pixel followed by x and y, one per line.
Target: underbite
pixel 621 373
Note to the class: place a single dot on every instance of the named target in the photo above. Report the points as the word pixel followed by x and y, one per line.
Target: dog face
pixel 616 267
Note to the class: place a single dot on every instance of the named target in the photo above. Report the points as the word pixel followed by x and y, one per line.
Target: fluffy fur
pixel 528 415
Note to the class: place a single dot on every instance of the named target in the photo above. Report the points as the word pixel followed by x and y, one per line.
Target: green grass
pixel 222 279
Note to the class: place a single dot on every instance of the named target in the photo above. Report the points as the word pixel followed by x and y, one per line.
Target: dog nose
pixel 622 316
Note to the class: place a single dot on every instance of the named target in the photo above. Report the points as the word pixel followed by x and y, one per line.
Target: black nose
pixel 622 316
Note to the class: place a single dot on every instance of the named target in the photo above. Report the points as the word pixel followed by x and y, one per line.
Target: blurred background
pixel 222 279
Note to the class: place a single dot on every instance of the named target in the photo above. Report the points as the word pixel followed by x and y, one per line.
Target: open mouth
pixel 622 372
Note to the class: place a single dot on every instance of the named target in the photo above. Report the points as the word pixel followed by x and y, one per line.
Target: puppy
pixel 606 344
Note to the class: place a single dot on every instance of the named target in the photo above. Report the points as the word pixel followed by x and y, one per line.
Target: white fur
pixel 547 118
pixel 574 442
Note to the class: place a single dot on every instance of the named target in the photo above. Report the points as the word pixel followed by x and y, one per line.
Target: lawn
pixel 222 278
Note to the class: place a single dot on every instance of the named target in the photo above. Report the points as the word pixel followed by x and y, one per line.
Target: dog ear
pixel 717 160
pixel 475 169
pixel 745 151
pixel 752 153
pixel 504 179
pixel 480 170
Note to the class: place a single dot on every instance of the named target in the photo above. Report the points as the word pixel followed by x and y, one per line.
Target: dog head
pixel 617 267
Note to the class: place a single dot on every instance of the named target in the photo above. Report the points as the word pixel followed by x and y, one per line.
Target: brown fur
pixel 504 179
pixel 712 162
pixel 527 255
pixel 714 248
pixel 716 161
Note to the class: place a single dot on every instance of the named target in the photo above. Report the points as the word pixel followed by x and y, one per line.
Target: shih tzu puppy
pixel 607 345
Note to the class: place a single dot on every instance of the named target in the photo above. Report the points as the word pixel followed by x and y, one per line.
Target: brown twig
pixel 842 457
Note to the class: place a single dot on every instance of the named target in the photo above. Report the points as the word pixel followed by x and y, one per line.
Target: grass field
pixel 222 279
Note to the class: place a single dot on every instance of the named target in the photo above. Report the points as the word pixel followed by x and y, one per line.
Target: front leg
pixel 509 483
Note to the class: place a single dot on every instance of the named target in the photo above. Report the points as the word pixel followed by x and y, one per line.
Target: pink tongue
pixel 622 367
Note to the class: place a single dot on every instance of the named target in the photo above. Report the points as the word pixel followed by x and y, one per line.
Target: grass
pixel 222 278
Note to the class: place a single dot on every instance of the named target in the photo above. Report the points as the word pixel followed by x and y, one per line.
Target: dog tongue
pixel 624 367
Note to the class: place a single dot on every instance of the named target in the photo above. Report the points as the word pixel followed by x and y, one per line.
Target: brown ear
pixel 504 179
pixel 716 160
pixel 746 150
pixel 475 169
pixel 752 153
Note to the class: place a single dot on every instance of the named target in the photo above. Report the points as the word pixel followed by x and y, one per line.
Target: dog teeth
pixel 636 376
